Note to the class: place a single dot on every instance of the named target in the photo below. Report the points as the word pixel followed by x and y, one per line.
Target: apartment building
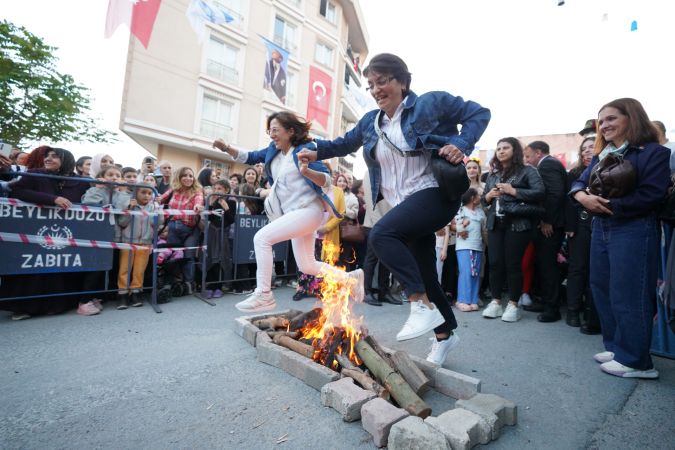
pixel 180 94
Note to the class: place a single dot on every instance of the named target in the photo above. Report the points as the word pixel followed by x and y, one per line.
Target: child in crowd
pixel 219 259
pixel 129 175
pixel 150 180
pixel 135 229
pixel 100 195
pixel 470 224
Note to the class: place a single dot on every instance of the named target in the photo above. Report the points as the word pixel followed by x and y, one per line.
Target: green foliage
pixel 38 102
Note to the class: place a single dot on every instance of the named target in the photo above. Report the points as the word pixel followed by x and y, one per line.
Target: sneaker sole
pixel 491 317
pixel 436 323
pixel 509 319
pixel 258 309
pixel 451 348
pixel 602 360
pixel 643 374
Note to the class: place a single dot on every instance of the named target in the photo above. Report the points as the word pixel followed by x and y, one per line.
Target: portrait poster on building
pixel 276 65
pixel 318 100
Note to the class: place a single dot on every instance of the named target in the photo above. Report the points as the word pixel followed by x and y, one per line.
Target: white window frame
pixel 292 89
pixel 329 52
pixel 284 41
pixel 220 69
pixel 223 131
pixel 330 12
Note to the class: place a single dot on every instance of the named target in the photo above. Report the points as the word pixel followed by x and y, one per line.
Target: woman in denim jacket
pixel 625 238
pixel 399 165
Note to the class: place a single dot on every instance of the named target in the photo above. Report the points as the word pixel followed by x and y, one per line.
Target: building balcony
pixel 216 130
pixel 222 72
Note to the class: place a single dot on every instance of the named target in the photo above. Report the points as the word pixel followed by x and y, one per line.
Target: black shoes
pixel 136 299
pixel 549 316
pixel 535 307
pixel 572 319
pixel 589 329
pixel 371 299
pixel 386 297
pixel 122 301
pixel 298 296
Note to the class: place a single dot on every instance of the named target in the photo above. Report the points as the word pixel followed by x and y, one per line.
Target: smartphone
pixel 5 149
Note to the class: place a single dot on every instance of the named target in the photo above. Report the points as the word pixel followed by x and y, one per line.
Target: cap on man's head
pixel 591 126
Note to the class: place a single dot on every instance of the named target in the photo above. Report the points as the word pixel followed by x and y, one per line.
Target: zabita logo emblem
pixel 54 232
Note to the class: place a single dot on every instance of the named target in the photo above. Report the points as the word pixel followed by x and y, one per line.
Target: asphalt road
pixel 183 380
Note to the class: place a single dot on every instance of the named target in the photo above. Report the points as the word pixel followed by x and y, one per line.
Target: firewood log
pixel 298 347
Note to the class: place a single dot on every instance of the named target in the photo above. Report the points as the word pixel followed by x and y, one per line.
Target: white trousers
pixel 298 226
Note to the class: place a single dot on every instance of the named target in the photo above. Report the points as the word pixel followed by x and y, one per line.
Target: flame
pixel 335 325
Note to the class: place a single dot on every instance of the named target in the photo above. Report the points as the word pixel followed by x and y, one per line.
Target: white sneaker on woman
pixel 256 302
pixel 603 357
pixel 440 349
pixel 421 320
pixel 493 310
pixel 358 290
pixel 512 313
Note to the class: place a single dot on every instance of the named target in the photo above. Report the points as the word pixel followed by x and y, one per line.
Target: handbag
pixel 452 179
pixel 272 205
pixel 522 209
pixel 612 177
pixel 352 231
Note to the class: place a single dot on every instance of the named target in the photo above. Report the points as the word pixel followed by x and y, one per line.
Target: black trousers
pixel 404 241
pixel 578 283
pixel 507 248
pixel 369 266
pixel 546 265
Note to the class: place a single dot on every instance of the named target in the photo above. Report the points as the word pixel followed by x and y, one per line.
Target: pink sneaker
pixel 463 307
pixel 88 309
pixel 474 306
pixel 98 303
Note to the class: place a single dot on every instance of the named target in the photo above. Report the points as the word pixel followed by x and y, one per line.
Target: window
pixel 323 54
pixel 221 61
pixel 216 118
pixel 327 9
pixel 234 8
pixel 284 34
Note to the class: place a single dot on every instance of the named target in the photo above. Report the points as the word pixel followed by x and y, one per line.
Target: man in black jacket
pixel 549 236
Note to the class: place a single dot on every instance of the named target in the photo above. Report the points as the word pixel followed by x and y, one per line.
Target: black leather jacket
pixel 529 189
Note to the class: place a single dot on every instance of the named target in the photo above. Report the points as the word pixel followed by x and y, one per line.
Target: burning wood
pixel 271 323
pixel 310 318
pixel 292 344
pixel 290 334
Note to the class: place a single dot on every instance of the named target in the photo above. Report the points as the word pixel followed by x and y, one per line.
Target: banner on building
pixel 276 68
pixel 27 258
pixel 318 100
pixel 138 15
pixel 201 11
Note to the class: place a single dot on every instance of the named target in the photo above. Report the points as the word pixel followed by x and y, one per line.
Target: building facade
pixel 180 94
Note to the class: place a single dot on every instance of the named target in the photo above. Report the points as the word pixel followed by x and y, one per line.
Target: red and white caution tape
pixel 54 242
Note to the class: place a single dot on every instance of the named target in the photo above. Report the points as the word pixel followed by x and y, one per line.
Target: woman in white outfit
pixel 295 207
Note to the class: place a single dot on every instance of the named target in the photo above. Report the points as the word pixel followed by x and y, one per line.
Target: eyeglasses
pixel 380 82
pixel 272 131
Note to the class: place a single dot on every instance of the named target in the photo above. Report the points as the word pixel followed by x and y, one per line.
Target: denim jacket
pixel 653 178
pixel 428 122
pixel 266 156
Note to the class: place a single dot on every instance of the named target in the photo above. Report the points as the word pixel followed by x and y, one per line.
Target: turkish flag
pixel 562 158
pixel 318 101
pixel 138 15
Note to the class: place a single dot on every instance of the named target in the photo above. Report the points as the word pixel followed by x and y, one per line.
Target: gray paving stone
pixel 270 353
pixel 346 398
pixel 455 384
pixel 377 418
pixel 412 433
pixel 462 428
pixel 246 330
pixel 497 411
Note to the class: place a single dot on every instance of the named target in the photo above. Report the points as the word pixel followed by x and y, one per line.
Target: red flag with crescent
pixel 318 100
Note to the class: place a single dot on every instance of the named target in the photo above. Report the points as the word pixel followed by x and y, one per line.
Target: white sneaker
pixel 619 370
pixel 511 314
pixel 603 357
pixel 525 300
pixel 258 301
pixel 358 290
pixel 440 349
pixel 493 310
pixel 421 320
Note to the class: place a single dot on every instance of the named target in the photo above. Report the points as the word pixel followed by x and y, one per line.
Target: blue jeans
pixel 180 235
pixel 404 241
pixel 624 263
pixel 467 285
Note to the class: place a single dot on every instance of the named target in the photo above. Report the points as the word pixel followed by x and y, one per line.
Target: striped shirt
pixel 401 177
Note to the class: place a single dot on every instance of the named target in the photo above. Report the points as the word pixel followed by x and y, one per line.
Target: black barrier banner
pixel 26 258
pixel 245 227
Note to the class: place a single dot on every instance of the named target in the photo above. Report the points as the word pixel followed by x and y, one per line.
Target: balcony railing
pixel 222 72
pixel 212 129
pixel 284 43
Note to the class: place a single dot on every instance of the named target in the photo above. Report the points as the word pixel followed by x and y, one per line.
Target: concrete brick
pixel 346 398
pixel 270 353
pixel 246 330
pixel 312 374
pixel 377 418
pixel 497 411
pixel 412 433
pixel 462 428
pixel 455 384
